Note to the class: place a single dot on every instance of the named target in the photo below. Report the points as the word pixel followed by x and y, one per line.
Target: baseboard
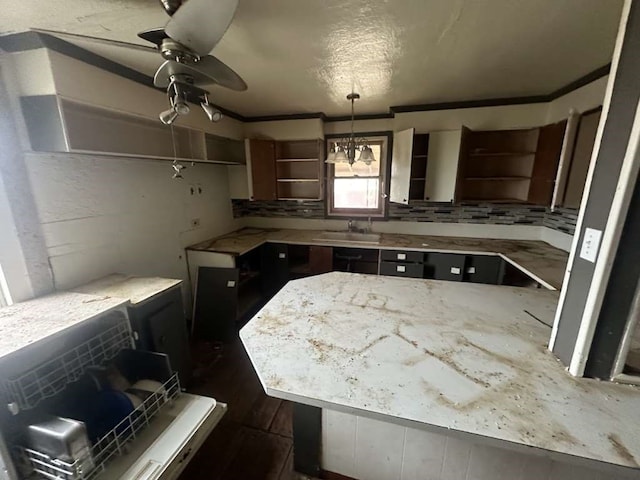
pixel 326 475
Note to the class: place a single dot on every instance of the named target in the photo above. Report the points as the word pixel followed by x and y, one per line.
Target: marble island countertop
pixel 438 355
pixel 538 259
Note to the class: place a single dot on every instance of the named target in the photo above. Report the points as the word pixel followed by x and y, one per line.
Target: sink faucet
pixel 351 225
pixel 369 226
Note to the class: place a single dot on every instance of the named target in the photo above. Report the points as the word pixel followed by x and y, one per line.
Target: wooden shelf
pixel 501 154
pixel 296 160
pixel 298 180
pixel 497 179
pixel 299 198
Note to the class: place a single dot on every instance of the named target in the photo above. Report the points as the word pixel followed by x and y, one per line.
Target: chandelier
pixel 345 149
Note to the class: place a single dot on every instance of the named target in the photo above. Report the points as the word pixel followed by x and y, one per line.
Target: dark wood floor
pixel 254 439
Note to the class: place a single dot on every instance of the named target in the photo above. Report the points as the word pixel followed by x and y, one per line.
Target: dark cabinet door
pixel 546 162
pixel 444 266
pixel 484 269
pixel 274 267
pixel 169 335
pixel 320 259
pixel 355 260
pixel 263 169
pixel 216 304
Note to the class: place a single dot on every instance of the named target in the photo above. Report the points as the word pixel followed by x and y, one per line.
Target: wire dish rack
pixel 113 443
pixel 50 378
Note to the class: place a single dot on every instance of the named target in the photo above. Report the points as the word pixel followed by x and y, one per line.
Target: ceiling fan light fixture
pixel 213 114
pixel 168 116
pixel 180 105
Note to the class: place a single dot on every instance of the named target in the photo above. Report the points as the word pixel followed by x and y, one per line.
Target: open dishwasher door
pixel 166 446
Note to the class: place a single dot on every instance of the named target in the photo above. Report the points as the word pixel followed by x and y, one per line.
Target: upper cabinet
pixel 285 170
pixel 56 124
pixel 509 166
pixel 408 166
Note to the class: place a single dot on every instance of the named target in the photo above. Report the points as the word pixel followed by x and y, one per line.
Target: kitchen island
pixel 458 362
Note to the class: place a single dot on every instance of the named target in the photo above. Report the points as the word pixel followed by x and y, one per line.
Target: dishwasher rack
pixel 115 442
pixel 26 391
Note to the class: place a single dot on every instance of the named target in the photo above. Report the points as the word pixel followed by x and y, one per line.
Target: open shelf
pixel 297 160
pixel 501 154
pixel 497 179
pixel 298 180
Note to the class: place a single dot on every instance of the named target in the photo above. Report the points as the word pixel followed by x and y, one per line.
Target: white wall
pixel 367 449
pixel 285 129
pixel 585 98
pixel 102 215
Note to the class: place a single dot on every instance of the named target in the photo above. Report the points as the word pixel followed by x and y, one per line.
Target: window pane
pixel 356 193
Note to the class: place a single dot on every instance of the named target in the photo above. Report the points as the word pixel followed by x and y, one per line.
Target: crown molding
pixel 32 40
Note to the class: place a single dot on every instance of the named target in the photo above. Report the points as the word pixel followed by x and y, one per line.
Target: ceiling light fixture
pixel 344 150
pixel 212 112
pixel 168 116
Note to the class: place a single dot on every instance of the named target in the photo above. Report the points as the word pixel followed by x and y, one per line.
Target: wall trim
pixel 31 40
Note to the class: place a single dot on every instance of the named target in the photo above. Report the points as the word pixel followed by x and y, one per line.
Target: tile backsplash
pixel 562 219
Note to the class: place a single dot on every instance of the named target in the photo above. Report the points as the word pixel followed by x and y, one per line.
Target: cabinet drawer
pixel 445 266
pixel 402 256
pixel 398 269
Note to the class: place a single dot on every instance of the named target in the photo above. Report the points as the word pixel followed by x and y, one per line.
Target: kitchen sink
pixel 349 237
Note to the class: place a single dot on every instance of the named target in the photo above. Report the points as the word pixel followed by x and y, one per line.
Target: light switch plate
pixel 590 244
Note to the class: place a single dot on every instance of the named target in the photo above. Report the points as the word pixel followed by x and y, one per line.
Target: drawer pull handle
pixel 471 270
pixel 401 268
pixel 455 270
pixel 402 256
pixel 282 255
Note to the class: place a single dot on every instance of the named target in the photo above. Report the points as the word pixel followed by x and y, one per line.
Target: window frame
pixel 385 175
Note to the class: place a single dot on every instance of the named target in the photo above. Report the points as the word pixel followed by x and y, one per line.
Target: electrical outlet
pixel 195 223
pixel 590 244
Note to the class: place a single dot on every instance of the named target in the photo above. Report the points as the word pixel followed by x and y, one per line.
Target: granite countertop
pixel 135 289
pixel 25 323
pixel 538 259
pixel 438 355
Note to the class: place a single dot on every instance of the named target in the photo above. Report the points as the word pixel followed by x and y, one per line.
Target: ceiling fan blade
pixel 155 35
pixel 223 75
pixel 208 71
pixel 200 24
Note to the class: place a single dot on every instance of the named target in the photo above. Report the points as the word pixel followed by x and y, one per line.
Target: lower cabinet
pixel 355 260
pixel 444 266
pixel 484 269
pixel 225 298
pixel 160 326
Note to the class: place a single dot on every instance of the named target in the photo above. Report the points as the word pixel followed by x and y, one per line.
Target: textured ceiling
pixel 304 56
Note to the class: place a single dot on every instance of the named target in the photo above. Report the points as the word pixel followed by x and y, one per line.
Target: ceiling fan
pixel 195 27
